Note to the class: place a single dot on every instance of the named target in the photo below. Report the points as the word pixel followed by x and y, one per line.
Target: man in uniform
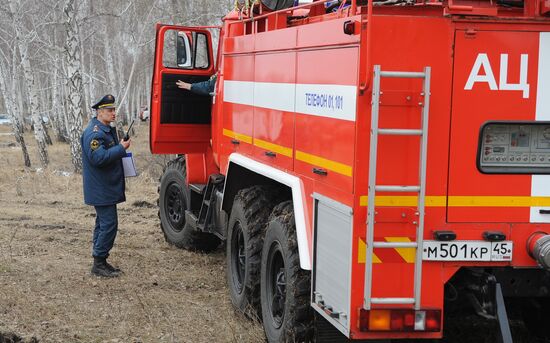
pixel 103 179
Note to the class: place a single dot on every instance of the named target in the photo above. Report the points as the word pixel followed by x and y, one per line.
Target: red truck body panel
pixel 290 97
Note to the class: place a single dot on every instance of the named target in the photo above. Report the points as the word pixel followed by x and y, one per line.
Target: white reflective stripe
pixel 540 184
pixel 298 198
pixel 238 92
pixel 331 101
pixel 276 96
pixel 543 88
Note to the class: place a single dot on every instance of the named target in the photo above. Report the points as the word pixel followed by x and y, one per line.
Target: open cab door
pixel 180 120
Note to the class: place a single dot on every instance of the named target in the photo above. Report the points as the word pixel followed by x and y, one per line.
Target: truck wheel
pixel 245 231
pixel 285 287
pixel 173 200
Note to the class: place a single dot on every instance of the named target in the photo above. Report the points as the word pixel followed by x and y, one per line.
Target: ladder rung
pixel 400 132
pixel 392 300
pixel 403 74
pixel 394 244
pixel 397 188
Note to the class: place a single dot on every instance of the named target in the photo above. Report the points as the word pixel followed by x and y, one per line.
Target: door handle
pixel 541 211
pixel 236 142
pixel 320 171
pixel 270 153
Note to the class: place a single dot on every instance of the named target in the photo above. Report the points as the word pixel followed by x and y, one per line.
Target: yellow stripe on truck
pixel 279 149
pixel 459 201
pixel 389 201
pixel 362 253
pixel 408 254
pixel 322 162
pixel 336 167
pixel 239 136
pixel 498 201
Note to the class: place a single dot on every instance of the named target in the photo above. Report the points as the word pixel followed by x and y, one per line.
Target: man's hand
pixel 125 144
pixel 183 85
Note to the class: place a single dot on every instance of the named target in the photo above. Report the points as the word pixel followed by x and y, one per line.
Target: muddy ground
pixel 165 295
pixel 46 290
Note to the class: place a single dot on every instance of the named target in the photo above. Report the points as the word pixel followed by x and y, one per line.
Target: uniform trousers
pixel 106 227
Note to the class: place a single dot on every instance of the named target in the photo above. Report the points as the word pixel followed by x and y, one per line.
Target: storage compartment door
pixel 332 261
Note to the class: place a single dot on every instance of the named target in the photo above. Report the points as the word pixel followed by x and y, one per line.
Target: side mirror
pixel 183 50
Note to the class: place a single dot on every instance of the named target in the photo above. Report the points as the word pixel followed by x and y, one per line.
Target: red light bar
pixel 400 320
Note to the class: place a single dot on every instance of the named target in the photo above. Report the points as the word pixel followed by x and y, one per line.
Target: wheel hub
pixel 175 206
pixel 238 256
pixel 276 285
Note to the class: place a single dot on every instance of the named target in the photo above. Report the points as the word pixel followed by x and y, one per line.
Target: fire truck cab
pixel 366 164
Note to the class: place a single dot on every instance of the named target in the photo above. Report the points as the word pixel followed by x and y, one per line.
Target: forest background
pixel 58 57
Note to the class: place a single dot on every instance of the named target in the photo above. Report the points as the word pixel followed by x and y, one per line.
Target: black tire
pixel 245 232
pixel 285 287
pixel 174 199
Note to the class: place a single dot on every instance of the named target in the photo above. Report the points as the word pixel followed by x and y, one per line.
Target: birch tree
pixel 8 89
pixel 31 87
pixel 74 78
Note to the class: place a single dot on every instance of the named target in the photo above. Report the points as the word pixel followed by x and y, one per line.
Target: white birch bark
pixel 110 63
pixel 58 120
pixel 31 87
pixel 74 78
pixel 8 92
pixel 91 84
pixel 21 103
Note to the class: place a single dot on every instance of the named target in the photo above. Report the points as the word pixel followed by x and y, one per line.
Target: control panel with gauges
pixel 514 147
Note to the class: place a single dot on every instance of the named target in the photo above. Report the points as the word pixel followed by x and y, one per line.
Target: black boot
pixel 100 268
pixel 112 268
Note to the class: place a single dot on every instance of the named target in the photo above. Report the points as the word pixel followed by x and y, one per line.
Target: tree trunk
pixel 58 121
pixel 20 102
pixel 12 108
pixel 30 86
pixel 72 56
pixel 110 64
pixel 91 85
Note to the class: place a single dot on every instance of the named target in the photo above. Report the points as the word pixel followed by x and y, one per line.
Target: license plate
pixel 467 251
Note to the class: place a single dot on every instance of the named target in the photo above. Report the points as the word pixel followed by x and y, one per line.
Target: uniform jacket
pixel 204 87
pixel 103 176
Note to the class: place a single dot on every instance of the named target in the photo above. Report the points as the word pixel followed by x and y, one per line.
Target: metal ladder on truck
pixel 374 188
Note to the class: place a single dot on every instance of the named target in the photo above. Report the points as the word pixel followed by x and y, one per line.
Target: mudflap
pixel 502 316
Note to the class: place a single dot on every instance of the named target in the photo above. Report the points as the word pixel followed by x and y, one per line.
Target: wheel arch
pixel 243 172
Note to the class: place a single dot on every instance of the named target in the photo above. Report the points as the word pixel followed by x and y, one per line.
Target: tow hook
pixel 538 246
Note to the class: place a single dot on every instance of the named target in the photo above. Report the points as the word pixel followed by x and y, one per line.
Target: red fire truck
pixel 364 162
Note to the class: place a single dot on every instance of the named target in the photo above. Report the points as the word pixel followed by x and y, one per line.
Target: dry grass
pixel 165 295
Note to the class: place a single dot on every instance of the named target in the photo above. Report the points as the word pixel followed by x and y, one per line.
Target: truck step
pixel 197 187
pixel 191 219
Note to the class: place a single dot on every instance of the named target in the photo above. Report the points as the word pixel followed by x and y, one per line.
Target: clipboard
pixel 128 165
